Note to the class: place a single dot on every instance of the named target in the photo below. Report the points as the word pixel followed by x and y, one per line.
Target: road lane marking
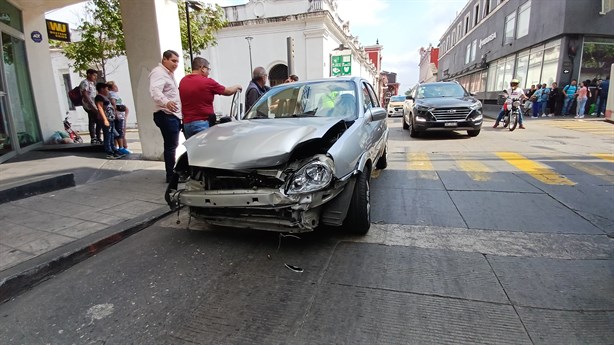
pixel 592 169
pixel 605 156
pixel 476 170
pixel 536 170
pixel 420 162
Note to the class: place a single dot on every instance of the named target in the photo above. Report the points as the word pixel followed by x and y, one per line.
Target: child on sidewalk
pixel 121 112
pixel 107 114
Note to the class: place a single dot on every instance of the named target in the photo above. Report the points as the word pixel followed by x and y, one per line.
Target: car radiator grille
pixel 451 114
pixel 219 179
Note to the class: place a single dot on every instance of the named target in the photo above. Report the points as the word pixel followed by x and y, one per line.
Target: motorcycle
pixel 76 138
pixel 510 119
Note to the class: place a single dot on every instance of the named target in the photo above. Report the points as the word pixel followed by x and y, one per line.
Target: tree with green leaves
pixel 204 23
pixel 102 38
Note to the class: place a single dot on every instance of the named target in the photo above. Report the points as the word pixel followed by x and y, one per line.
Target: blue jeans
pixel 502 112
pixel 543 108
pixel 108 136
pixel 191 128
pixel 581 105
pixel 601 103
pixel 536 108
pixel 567 105
pixel 170 126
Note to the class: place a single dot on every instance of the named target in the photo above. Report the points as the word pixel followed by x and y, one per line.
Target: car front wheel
pixel 412 131
pixel 358 219
pixel 473 133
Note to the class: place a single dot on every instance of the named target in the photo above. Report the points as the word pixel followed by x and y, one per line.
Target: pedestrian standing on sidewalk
pixel 603 96
pixel 121 116
pixel 88 93
pixel 569 93
pixel 528 104
pixel 537 104
pixel 197 91
pixel 555 100
pixel 582 97
pixel 107 114
pixel 167 116
pixel 544 99
pixel 597 95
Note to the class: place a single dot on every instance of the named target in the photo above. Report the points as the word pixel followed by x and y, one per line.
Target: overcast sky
pixel 402 27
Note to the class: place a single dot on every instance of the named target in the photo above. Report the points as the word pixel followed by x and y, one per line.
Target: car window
pixel 397 99
pixel 373 95
pixel 440 90
pixel 367 102
pixel 319 99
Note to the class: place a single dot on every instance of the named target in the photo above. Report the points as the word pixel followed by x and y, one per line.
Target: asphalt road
pixel 498 239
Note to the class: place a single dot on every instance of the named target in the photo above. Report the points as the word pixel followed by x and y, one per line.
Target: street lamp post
pixel 195 5
pixel 249 45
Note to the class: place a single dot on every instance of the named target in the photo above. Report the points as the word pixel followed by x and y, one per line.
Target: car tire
pixel 473 133
pixel 382 162
pixel 405 125
pixel 358 218
pixel 412 131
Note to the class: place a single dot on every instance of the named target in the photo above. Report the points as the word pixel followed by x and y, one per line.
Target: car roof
pixel 439 83
pixel 332 79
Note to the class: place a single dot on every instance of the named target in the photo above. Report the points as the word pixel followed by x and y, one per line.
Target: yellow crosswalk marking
pixel 420 162
pixel 592 169
pixel 538 171
pixel 605 156
pixel 475 169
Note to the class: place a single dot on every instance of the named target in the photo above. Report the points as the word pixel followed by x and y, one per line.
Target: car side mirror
pixel 377 114
pixel 409 97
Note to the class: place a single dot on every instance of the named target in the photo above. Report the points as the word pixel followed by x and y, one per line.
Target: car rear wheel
pixel 358 219
pixel 473 133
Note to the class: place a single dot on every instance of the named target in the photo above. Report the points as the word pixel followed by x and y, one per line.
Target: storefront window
pixel 500 85
pixel 535 66
pixel 20 98
pixel 10 15
pixel 551 62
pixel 597 58
pixel 509 71
pixel 492 76
pixel 522 67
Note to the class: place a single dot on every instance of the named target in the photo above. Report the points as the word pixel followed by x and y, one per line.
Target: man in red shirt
pixel 197 91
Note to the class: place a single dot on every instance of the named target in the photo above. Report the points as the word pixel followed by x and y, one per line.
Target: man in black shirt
pixel 256 87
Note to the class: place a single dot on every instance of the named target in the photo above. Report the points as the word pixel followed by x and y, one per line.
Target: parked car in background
pixel 442 106
pixel 395 106
pixel 301 157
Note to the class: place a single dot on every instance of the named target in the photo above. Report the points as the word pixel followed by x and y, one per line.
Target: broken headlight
pixel 312 176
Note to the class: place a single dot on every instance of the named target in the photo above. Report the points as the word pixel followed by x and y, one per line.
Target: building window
pixel 476 14
pixel 453 37
pixel 597 57
pixel 550 65
pixel 468 54
pixel 510 24
pixel 522 67
pixel 524 15
pixel 535 66
pixel 486 7
pixel 474 46
pixel 467 22
pixel 459 31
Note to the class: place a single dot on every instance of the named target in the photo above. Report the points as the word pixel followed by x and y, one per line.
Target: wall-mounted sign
pixel 488 39
pixel 341 65
pixel 57 31
pixel 36 36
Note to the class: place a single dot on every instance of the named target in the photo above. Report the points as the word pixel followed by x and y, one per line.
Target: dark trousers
pixel 94 124
pixel 108 134
pixel 170 126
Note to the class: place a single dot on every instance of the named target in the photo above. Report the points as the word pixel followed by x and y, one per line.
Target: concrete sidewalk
pixel 46 233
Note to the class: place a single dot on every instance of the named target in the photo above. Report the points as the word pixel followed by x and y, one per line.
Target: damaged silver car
pixel 301 157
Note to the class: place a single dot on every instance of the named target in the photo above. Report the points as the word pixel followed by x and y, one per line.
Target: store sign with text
pixel 58 31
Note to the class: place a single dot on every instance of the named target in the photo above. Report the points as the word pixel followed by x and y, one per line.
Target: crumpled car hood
pixel 250 144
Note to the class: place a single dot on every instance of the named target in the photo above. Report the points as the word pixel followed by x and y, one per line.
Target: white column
pixel 315 55
pixel 609 107
pixel 41 73
pixel 150 28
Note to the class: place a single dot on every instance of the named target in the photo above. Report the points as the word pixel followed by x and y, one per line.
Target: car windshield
pixel 310 99
pixel 397 99
pixel 440 90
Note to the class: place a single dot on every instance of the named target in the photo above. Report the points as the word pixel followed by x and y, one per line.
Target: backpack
pixel 75 96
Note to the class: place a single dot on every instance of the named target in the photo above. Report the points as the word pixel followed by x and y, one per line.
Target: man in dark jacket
pixel 256 87
pixel 555 100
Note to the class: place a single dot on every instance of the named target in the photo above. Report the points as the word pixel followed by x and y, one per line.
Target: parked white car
pixel 395 105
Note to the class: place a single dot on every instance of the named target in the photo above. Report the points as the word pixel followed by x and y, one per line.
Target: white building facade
pixel 316 29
